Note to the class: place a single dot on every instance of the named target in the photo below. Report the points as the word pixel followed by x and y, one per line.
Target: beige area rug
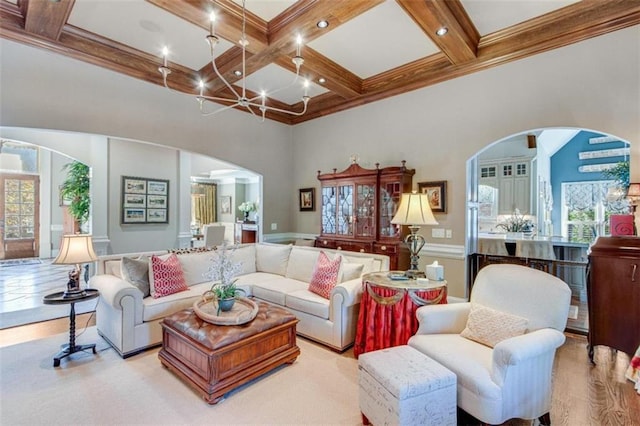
pixel 319 388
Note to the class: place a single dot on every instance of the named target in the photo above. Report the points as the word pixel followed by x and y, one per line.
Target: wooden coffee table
pixel 215 359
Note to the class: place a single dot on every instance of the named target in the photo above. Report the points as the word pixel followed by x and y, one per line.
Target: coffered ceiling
pixel 371 49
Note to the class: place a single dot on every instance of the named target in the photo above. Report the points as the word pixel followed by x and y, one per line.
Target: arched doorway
pixel 554 182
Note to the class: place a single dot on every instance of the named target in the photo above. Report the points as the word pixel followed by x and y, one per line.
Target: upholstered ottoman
pixel 402 386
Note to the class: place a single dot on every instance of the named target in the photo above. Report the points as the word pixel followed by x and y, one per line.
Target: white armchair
pixel 512 379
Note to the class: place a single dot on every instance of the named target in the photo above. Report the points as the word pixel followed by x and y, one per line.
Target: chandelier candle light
pixel 240 99
pixel 414 211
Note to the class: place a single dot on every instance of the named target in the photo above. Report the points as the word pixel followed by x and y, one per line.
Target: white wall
pixel 594 84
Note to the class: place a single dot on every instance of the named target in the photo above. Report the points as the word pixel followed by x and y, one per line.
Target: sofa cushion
pixel 490 327
pixel 272 258
pixel 195 265
pixel 308 302
pixel 166 275
pixel 350 271
pixel 246 255
pixel 156 308
pixel 275 289
pixel 369 263
pixel 325 275
pixel 113 267
pixel 136 272
pixel 301 263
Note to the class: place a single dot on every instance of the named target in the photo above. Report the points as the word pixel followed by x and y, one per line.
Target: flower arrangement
pixel 222 272
pixel 517 223
pixel 248 206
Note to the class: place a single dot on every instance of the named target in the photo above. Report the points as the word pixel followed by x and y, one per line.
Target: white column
pixel 100 208
pixel 183 198
pixel 46 198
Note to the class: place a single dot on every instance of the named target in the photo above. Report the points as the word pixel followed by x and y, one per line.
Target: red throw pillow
pixel 167 276
pixel 325 275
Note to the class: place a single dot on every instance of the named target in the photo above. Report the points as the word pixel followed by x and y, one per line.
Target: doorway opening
pixel 555 182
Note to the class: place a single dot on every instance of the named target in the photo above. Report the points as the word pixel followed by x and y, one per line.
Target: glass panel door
pixel 345 210
pixel 365 211
pixel 390 194
pixel 329 208
pixel 19 221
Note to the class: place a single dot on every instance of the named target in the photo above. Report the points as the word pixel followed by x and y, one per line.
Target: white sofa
pixel 275 273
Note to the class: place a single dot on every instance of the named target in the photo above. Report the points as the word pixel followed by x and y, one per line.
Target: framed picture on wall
pixel 437 192
pixel 307 199
pixel 225 204
pixel 144 200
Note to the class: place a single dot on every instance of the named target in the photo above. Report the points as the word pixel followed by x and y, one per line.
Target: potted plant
pixel 517 223
pixel 223 271
pixel 246 208
pixel 76 188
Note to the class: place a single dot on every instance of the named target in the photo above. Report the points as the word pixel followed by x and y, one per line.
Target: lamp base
pixel 412 274
pixel 71 294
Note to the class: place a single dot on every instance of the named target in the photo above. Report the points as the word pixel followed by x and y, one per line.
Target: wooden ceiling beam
pixel 574 23
pixel 460 43
pixel 337 78
pixel 46 18
pixel 228 24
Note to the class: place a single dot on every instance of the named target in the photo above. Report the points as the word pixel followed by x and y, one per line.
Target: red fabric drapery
pixel 382 326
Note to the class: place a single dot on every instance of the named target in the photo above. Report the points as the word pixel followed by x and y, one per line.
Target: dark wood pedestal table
pixel 59 299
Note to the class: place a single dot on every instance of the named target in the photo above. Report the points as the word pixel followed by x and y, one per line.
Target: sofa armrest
pixel 351 292
pixel 443 319
pixel 532 352
pixel 113 289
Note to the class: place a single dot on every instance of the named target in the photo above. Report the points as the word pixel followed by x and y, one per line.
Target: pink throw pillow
pixel 167 276
pixel 325 275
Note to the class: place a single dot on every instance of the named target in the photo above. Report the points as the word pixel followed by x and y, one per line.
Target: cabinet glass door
pixel 329 209
pixel 390 194
pixel 365 224
pixel 345 210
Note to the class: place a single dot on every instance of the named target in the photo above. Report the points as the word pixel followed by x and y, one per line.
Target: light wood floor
pixel 583 394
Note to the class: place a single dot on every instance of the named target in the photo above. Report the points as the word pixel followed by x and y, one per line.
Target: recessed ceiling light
pixel 322 24
pixel 322 80
pixel 237 73
pixel 442 31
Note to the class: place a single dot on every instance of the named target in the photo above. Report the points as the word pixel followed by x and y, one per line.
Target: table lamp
pixel 74 250
pixel 414 211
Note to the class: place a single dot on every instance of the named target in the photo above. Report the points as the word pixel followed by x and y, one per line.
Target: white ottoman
pixel 402 386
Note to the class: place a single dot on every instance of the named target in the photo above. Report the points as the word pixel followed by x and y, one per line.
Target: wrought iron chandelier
pixel 240 99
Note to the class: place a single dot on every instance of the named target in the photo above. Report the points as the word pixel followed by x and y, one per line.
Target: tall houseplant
pixel 76 188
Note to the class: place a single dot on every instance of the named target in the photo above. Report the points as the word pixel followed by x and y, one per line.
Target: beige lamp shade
pixel 633 192
pixel 76 249
pixel 414 210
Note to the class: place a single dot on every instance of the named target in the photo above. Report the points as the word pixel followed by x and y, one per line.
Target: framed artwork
pixel 225 204
pixel 437 192
pixel 144 200
pixel 307 199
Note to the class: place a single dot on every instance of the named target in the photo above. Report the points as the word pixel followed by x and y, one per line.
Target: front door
pixel 19 213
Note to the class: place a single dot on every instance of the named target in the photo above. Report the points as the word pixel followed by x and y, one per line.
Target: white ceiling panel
pixel 276 82
pixel 489 15
pixel 149 28
pixel 380 39
pixel 266 9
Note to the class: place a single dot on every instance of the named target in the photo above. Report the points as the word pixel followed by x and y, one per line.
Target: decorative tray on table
pixel 243 311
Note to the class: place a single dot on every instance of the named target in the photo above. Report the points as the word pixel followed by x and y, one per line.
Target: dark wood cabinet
pixel 357 206
pixel 613 294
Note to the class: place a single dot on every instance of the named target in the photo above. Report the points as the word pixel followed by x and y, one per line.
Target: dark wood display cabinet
pixel 613 294
pixel 357 206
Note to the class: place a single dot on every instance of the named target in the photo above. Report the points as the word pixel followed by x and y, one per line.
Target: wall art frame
pixel 144 200
pixel 437 192
pixel 307 199
pixel 225 204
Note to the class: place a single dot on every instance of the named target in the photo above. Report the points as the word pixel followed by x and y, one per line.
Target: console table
pixel 388 310
pixel 60 299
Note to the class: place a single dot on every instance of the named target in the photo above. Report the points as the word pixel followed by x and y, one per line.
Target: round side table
pixel 58 298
